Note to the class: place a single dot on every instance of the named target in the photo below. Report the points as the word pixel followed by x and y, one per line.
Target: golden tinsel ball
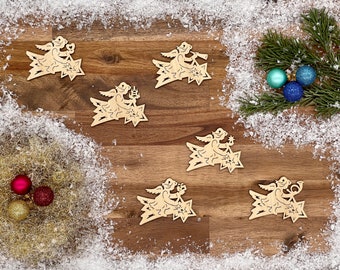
pixel 18 210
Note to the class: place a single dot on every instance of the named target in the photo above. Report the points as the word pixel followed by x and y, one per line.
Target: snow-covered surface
pixel 243 21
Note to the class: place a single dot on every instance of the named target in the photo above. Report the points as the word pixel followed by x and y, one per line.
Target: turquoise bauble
pixel 305 75
pixel 276 78
pixel 293 91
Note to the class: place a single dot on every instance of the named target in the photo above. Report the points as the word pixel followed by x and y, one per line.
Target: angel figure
pixel 280 200
pixel 214 152
pixel 118 106
pixel 166 202
pixel 55 60
pixel 181 66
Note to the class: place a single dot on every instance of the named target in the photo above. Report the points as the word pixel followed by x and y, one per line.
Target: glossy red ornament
pixel 43 196
pixel 21 184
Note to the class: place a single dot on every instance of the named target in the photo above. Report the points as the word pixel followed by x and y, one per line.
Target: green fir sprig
pixel 320 50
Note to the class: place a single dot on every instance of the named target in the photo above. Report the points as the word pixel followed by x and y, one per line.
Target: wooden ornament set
pixel 122 103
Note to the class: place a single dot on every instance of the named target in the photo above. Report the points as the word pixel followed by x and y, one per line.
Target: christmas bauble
pixel 293 91
pixel 276 78
pixel 21 184
pixel 305 75
pixel 18 210
pixel 43 196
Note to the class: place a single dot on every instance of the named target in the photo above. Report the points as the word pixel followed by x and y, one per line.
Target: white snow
pixel 243 21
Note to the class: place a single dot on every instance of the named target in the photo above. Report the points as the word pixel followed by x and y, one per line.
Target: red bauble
pixel 21 184
pixel 43 196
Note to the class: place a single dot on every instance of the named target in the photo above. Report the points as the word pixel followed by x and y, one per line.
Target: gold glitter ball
pixel 18 210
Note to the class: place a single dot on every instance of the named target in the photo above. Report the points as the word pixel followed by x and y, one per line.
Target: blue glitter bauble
pixel 276 78
pixel 305 75
pixel 293 91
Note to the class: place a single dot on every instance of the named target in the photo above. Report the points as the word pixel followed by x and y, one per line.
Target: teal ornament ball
pixel 276 78
pixel 305 75
pixel 293 91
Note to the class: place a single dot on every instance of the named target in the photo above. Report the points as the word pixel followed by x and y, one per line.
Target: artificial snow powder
pixel 243 22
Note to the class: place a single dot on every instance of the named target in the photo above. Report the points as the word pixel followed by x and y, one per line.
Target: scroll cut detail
pixel 181 66
pixel 118 107
pixel 55 60
pixel 214 152
pixel 166 202
pixel 277 201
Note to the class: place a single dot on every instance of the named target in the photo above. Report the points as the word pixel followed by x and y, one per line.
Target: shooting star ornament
pixel 280 200
pixel 214 152
pixel 118 107
pixel 181 66
pixel 55 60
pixel 166 202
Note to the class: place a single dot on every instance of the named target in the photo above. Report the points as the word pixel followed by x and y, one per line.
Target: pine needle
pixel 321 51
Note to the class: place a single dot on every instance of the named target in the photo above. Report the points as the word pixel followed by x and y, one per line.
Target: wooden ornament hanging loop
pixel 182 65
pixel 56 59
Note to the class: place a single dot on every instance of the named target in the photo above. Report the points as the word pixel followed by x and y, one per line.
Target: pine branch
pixel 329 67
pixel 323 29
pixel 325 98
pixel 322 52
pixel 266 102
pixel 278 51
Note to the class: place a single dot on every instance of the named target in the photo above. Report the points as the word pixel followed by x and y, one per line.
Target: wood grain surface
pixel 144 156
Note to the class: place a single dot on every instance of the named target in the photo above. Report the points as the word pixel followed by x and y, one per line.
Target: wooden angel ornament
pixel 167 202
pixel 214 152
pixel 118 106
pixel 56 59
pixel 181 66
pixel 279 200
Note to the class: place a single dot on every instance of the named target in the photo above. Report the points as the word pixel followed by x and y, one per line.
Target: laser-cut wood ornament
pixel 214 152
pixel 181 66
pixel 55 60
pixel 166 202
pixel 280 200
pixel 118 107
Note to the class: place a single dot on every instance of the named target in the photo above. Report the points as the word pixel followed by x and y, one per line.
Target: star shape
pixel 72 69
pixel 136 115
pixel 184 210
pixel 295 211
pixel 231 139
pixel 232 161
pixel 198 73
